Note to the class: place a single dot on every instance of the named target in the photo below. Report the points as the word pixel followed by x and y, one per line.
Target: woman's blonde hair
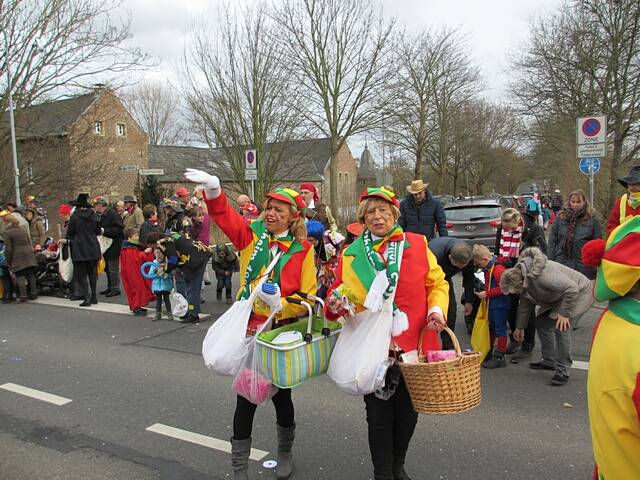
pixel 297 227
pixel 511 215
pixel 480 251
pixel 371 202
pixel 12 219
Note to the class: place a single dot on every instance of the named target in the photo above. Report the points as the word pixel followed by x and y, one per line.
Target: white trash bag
pixel 65 265
pixel 179 304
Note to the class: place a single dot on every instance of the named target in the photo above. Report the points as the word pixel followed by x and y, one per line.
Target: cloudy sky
pixel 495 30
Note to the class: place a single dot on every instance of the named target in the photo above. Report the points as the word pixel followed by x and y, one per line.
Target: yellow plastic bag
pixel 101 265
pixel 480 338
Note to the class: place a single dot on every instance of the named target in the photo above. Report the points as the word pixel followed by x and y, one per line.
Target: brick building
pixel 89 143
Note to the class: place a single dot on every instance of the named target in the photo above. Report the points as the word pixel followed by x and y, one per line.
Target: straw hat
pixel 416 186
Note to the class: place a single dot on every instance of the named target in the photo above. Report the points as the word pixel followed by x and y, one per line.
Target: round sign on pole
pixel 587 165
pixel 591 127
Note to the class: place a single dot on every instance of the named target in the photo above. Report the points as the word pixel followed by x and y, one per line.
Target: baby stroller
pixel 48 278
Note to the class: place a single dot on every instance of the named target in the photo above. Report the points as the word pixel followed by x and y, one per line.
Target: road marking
pixel 579 365
pixel 100 307
pixel 202 440
pixel 37 394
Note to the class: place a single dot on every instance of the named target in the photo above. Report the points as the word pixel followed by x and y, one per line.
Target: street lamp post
pixel 14 151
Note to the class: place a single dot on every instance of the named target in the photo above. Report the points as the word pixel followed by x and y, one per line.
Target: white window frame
pixel 98 128
pixel 124 129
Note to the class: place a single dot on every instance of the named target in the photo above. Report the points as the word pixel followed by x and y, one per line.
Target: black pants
pixel 26 282
pixel 162 296
pixel 530 332
pixel 452 311
pixel 86 272
pixel 224 282
pixel 7 287
pixel 391 424
pixel 245 411
pixel 112 269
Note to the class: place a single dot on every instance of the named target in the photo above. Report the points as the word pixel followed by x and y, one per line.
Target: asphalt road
pixel 124 374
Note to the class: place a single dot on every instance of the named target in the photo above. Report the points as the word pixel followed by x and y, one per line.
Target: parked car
pixel 475 220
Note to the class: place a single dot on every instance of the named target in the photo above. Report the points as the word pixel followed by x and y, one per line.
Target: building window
pixel 98 128
pixel 29 173
pixel 121 129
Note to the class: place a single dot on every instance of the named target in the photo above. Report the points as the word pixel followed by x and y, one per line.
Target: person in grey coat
pixel 421 213
pixel 563 295
pixel 575 225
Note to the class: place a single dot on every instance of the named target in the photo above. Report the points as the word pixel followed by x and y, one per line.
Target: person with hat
pixel 311 198
pixel 627 205
pixel 183 195
pixel 82 233
pixel 133 217
pixel 247 208
pixel 613 383
pixel 421 213
pixel 176 220
pixel 111 226
pixel 37 230
pixel 421 297
pixel 20 259
pixel 557 202
pixel 281 234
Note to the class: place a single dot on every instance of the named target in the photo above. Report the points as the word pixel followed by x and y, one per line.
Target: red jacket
pixel 136 287
pixel 614 216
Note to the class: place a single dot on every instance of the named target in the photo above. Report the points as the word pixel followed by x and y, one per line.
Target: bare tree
pixel 585 59
pixel 51 47
pixel 434 75
pixel 338 55
pixel 156 107
pixel 239 94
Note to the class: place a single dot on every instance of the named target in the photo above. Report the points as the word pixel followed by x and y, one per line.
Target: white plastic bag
pixel 65 265
pixel 179 304
pixel 362 347
pixel 226 344
pixel 105 243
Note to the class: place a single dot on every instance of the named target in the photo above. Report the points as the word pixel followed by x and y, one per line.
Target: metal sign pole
pixel 591 178
pixel 253 191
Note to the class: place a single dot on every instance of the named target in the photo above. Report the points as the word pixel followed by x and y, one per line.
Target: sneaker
pixel 157 316
pixel 496 361
pixel 112 293
pixel 86 303
pixel 170 317
pixel 105 291
pixel 541 366
pixel 229 300
pixel 513 347
pixel 139 312
pixel 559 379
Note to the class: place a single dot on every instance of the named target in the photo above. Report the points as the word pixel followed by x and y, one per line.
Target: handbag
pixel 105 243
pixel 480 338
pixel 226 344
pixel 65 265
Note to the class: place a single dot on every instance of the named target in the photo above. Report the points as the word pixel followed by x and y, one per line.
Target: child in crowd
pixel 137 289
pixel 5 277
pixel 161 283
pixel 224 262
pixel 499 305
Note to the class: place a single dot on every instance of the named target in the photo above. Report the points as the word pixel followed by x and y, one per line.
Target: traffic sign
pixel 592 130
pixel 592 150
pixel 250 161
pixel 589 165
pixel 251 174
pixel 152 171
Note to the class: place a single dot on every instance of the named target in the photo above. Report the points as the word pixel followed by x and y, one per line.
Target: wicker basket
pixel 446 387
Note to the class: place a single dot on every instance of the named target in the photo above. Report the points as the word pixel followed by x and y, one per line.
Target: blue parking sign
pixel 586 164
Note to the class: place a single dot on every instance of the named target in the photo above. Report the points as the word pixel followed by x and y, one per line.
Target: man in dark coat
pixel 111 226
pixel 455 256
pixel 421 213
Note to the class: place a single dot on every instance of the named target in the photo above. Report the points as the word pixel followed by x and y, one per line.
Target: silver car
pixel 475 220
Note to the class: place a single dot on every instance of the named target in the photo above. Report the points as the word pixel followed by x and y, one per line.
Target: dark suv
pixel 475 220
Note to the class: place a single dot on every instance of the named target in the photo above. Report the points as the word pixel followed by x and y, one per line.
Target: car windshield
pixel 473 213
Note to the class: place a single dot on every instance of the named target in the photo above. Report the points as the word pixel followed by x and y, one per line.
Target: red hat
pixel 182 192
pixel 312 188
pixel 64 209
pixel 355 229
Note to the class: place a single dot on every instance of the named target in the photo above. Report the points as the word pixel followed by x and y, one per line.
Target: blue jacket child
pixel 160 282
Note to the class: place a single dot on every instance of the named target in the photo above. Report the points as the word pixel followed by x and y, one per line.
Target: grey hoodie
pixel 551 286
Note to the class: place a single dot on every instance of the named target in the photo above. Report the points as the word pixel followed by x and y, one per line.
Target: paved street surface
pixel 124 388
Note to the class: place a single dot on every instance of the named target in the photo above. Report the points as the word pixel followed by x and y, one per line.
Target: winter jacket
pixel 159 282
pixel 134 219
pixel 146 228
pixel 556 201
pixel 184 253
pixel 228 263
pixel 423 218
pixel 587 228
pixel 37 232
pixel 24 224
pixel 111 223
pixel 82 233
pixel 441 248
pixel 178 223
pixel 532 236
pixel 18 250
pixel 200 231
pixel 614 215
pixel 551 286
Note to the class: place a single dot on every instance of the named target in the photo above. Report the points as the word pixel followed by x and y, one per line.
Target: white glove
pixel 209 183
pixel 271 300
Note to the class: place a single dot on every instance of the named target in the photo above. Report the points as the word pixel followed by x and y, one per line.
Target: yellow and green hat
pixel 382 193
pixel 619 269
pixel 288 195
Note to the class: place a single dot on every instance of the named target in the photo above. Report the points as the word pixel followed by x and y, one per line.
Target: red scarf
pixel 510 243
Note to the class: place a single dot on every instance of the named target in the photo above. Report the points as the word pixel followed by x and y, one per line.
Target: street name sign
pixel 152 171
pixel 250 175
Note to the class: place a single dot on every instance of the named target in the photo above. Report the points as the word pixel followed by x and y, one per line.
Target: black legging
pixel 86 271
pixel 245 410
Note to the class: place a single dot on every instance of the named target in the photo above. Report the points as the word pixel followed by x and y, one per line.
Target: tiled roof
pixel 49 118
pixel 306 160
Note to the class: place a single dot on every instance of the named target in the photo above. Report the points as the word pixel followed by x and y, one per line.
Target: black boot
pixel 497 361
pixel 94 299
pixel 399 473
pixel 240 451
pixel 285 457
pixel 218 295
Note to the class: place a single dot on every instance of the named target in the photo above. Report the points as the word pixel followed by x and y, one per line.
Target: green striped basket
pixel 289 365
